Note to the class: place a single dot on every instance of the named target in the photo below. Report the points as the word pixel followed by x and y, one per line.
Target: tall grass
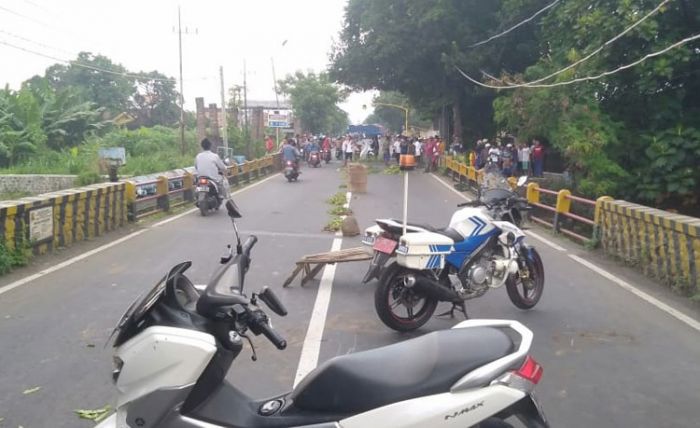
pixel 149 150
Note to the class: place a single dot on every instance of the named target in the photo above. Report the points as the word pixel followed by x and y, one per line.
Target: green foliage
pixel 334 224
pixel 315 102
pixel 670 175
pixel 149 150
pixel 89 177
pixel 339 199
pixel 12 258
pixel 111 91
pixel 338 210
pixel 155 101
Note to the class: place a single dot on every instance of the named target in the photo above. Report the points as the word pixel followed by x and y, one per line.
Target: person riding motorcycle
pixel 209 164
pixel 291 153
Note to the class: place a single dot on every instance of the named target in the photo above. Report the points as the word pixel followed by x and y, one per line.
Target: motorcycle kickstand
pixel 460 306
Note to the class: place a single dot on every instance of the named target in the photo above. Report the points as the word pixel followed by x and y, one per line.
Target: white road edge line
pixel 639 293
pixel 311 349
pixel 544 240
pixel 177 217
pixel 54 268
pixel 444 183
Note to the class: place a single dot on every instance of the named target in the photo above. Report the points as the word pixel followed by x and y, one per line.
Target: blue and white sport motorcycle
pixel 460 262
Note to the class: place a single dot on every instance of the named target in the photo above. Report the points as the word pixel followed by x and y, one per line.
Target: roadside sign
pixel 41 224
pixel 275 120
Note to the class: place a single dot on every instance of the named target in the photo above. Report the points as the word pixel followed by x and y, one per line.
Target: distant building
pixel 210 119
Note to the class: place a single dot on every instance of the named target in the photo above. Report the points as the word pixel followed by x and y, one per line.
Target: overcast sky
pixel 141 35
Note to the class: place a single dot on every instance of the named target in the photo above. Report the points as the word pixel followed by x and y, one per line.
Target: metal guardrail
pixel 560 210
pixel 155 193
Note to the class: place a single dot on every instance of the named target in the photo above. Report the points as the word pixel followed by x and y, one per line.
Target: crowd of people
pixel 510 158
pixel 352 147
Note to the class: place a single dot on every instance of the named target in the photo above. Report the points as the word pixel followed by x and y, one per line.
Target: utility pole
pixel 245 110
pixel 182 96
pixel 223 111
pixel 277 98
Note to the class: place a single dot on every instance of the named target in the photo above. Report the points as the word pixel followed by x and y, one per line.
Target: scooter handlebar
pixel 259 324
pixel 273 336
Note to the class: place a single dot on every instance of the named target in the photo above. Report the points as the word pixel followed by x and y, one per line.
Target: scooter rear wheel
pixel 399 307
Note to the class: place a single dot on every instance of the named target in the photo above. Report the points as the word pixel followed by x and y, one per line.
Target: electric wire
pixel 595 52
pixel 496 36
pixel 92 67
pixel 586 78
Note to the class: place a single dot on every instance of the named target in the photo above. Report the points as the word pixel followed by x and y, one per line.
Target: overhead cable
pixel 595 52
pixel 89 66
pixel 483 42
pixel 586 78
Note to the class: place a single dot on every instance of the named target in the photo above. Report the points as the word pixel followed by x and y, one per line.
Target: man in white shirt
pixel 209 164
pixel 348 149
pixel 397 149
pixel 418 146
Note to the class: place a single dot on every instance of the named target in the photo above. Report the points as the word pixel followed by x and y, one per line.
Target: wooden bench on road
pixel 322 259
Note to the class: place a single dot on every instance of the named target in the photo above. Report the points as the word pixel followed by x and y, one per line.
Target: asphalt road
pixel 610 359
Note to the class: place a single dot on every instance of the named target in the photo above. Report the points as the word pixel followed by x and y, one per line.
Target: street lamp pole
pixel 405 110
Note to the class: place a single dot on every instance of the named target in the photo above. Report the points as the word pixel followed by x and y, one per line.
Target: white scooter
pixel 175 345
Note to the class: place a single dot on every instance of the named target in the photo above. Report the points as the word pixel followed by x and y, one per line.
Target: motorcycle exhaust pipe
pixel 434 289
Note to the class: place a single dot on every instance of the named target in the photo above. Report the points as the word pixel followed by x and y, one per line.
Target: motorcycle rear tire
pixel 203 204
pixel 536 269
pixel 383 307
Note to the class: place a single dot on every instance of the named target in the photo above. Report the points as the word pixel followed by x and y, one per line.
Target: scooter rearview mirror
pixel 232 209
pixel 272 301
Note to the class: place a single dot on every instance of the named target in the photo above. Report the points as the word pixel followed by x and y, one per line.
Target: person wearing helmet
pixel 507 158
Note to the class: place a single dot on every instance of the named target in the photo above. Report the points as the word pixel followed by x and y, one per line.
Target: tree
pixel 410 46
pixel 111 90
pixel 631 134
pixel 155 101
pixel 36 117
pixel 315 101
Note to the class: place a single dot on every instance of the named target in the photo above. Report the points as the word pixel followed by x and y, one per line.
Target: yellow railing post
pixel 533 193
pixel 563 206
pixel 598 217
pixel 162 192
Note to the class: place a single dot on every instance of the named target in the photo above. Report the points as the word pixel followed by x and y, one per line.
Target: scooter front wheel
pixel 399 307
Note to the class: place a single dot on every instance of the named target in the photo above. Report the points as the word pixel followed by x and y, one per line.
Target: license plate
pixel 368 240
pixel 402 249
pixel 202 189
pixel 384 245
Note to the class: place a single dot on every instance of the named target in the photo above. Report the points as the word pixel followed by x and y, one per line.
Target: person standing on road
pixel 538 158
pixel 347 150
pixel 386 149
pixel 209 164
pixel 418 150
pixel 428 150
pixel 397 149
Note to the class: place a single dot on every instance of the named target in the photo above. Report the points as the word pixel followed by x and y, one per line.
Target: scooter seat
pixel 447 231
pixel 426 365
